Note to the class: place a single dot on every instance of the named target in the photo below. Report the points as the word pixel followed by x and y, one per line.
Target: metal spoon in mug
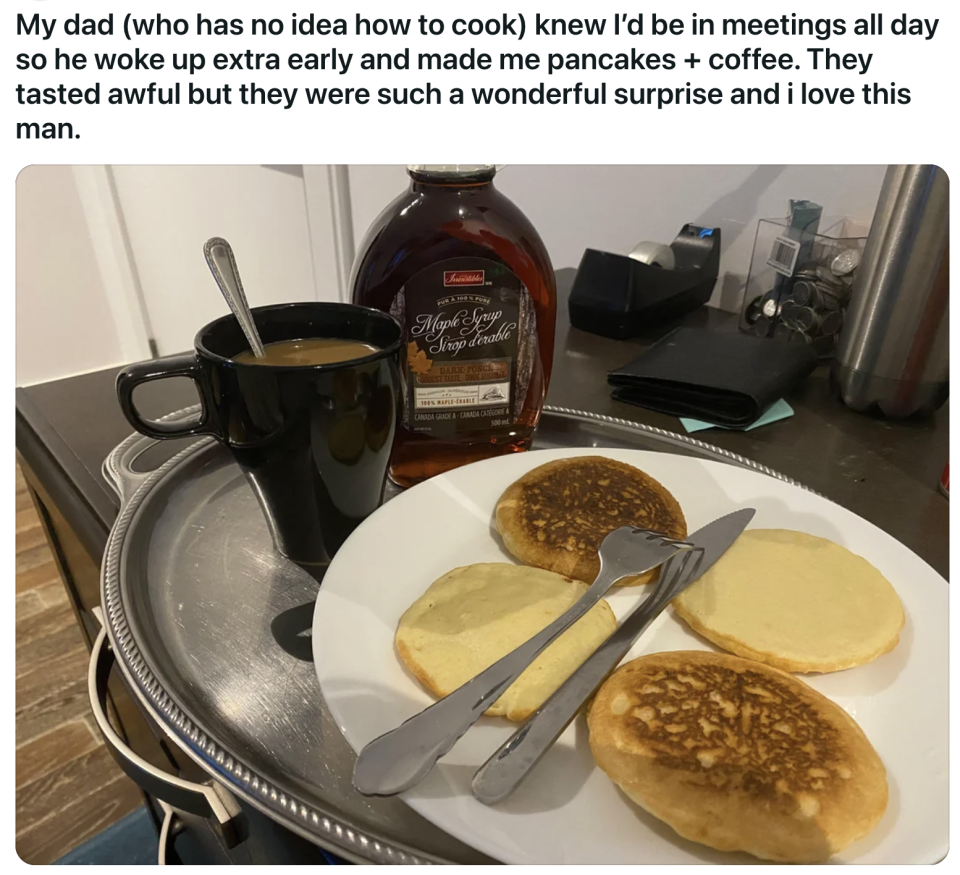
pixel 223 266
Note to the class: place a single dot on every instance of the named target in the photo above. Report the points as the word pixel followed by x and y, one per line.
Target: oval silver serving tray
pixel 211 627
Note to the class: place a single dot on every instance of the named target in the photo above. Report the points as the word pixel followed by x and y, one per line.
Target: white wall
pixel 171 211
pixel 82 253
pixel 615 207
pixel 64 322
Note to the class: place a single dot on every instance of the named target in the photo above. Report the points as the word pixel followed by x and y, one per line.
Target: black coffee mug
pixel 314 441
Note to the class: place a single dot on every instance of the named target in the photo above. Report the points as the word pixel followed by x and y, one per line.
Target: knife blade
pixel 503 772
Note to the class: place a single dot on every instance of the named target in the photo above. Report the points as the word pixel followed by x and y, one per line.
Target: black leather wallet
pixel 724 377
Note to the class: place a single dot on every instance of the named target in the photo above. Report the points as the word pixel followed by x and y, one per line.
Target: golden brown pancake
pixel 556 516
pixel 737 755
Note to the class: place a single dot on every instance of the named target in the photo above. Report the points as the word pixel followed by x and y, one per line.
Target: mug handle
pixel 159 369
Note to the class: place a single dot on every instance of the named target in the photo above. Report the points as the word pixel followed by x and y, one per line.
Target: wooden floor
pixel 68 787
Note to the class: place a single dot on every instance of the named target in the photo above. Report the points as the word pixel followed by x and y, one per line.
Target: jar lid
pixel 454 169
pixel 454 172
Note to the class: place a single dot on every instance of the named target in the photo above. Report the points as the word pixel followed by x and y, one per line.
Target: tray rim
pixel 358 842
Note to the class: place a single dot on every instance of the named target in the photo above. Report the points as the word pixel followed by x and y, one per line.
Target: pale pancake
pixel 474 615
pixel 794 601
pixel 737 755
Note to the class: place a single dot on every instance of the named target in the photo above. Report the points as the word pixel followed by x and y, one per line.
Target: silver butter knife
pixel 502 773
pixel 401 758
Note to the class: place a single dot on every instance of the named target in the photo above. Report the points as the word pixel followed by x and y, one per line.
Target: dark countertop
pixel 887 472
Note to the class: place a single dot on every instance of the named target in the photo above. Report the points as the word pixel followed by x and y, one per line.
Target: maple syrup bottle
pixel 469 278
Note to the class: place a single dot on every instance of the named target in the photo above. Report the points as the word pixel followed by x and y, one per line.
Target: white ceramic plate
pixel 567 811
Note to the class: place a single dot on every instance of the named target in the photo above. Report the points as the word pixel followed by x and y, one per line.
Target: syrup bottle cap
pixel 453 169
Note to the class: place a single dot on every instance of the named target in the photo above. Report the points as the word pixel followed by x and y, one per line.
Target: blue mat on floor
pixel 131 841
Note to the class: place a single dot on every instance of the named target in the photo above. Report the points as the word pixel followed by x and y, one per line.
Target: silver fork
pixel 500 774
pixel 401 758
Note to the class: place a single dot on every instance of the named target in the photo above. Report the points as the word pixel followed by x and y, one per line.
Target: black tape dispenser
pixel 622 296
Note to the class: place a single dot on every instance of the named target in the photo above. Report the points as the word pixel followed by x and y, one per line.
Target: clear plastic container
pixel 797 290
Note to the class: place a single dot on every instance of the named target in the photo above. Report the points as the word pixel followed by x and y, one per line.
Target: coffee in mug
pixel 311 427
pixel 307 351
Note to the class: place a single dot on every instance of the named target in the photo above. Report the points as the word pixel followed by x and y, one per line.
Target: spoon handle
pixel 223 266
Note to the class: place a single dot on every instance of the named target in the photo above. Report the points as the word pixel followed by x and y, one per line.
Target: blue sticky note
pixel 776 412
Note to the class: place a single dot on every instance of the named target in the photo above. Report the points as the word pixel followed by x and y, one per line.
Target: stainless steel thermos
pixel 893 352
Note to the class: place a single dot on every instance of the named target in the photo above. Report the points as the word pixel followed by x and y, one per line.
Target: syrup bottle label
pixel 470 339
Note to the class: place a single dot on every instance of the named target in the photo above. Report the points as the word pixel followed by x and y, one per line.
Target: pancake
pixel 737 755
pixel 556 516
pixel 472 616
pixel 794 601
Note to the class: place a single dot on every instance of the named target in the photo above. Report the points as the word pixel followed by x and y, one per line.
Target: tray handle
pixel 118 468
pixel 205 800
